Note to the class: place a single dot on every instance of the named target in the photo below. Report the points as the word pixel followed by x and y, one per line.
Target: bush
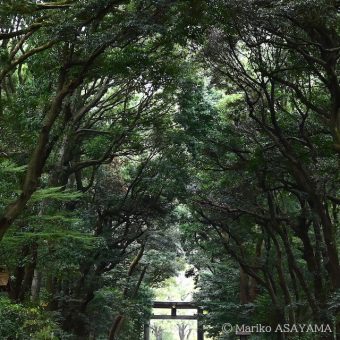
pixel 21 322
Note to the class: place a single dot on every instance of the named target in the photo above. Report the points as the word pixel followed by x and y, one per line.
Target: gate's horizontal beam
pixel 177 317
pixel 178 305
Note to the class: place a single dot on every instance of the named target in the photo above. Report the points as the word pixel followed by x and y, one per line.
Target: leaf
pixel 8 166
pixel 55 193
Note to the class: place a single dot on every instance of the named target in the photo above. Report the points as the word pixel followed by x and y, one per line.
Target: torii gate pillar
pixel 147 331
pixel 200 330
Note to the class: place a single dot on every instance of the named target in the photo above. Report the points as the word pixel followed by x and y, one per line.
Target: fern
pixel 55 193
pixel 8 166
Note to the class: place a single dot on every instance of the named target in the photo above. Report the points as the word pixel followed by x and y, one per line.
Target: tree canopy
pixel 142 137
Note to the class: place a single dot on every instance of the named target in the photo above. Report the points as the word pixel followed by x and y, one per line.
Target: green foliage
pixel 55 193
pixel 137 135
pixel 22 322
pixel 108 302
pixel 8 167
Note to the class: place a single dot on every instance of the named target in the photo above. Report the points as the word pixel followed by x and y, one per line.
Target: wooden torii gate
pixel 173 306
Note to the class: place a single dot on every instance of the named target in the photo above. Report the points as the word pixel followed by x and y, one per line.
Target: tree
pixel 184 331
pixel 158 331
pixel 131 130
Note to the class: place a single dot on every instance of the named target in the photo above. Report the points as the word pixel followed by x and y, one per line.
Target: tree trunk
pixel 118 321
pixel 36 285
pixel 244 287
pixel 116 327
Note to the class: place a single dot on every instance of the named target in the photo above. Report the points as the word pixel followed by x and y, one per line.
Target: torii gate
pixel 173 306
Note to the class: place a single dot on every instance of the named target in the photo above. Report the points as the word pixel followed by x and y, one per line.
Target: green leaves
pixel 9 167
pixel 18 321
pixel 168 126
pixel 55 193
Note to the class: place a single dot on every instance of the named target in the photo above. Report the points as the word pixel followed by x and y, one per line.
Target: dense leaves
pixel 134 134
